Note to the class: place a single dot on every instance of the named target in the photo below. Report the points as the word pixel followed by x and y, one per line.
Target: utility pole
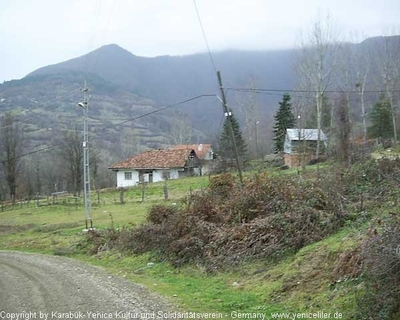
pixel 228 115
pixel 86 168
pixel 256 129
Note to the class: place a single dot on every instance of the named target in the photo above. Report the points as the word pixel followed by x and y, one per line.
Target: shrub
pixel 381 258
pixel 160 213
pixel 222 185
pixel 228 223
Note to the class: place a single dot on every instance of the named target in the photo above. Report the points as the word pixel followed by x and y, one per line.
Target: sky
pixel 36 33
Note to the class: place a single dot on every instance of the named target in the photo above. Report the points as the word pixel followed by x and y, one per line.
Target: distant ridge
pixel 166 80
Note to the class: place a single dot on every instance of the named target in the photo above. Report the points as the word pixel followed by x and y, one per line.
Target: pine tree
pixel 225 143
pixel 284 119
pixel 326 116
pixel 381 120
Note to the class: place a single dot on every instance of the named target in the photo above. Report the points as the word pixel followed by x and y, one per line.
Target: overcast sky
pixel 36 33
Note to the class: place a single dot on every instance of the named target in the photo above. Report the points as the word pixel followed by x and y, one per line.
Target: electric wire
pixel 92 36
pixel 115 125
pixel 204 36
pixel 42 105
pixel 304 91
pixel 102 35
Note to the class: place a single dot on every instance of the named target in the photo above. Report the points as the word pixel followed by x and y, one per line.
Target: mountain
pixel 46 104
pixel 125 86
pixel 170 79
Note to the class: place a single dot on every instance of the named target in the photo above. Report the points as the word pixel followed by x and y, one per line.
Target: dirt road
pixel 58 287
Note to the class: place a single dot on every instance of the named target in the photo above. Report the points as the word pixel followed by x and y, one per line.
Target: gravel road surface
pixel 35 285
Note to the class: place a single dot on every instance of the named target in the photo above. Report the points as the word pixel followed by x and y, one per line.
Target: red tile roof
pixel 156 159
pixel 200 149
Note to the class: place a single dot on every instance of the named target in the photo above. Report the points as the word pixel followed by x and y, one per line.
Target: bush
pixel 160 213
pixel 381 258
pixel 222 185
pixel 266 217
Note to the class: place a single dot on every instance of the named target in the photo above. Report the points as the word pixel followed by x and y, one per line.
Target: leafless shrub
pixel 348 264
pixel 381 258
pixel 227 224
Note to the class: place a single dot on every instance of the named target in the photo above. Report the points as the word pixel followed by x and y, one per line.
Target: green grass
pixel 299 283
pixel 302 281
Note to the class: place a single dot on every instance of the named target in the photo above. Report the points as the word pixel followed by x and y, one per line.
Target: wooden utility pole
pixel 228 115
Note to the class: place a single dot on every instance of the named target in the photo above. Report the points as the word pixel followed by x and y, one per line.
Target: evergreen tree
pixel 284 119
pixel 326 116
pixel 381 120
pixel 225 143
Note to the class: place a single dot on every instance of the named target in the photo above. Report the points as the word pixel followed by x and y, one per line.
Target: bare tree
pixel 53 173
pixel 95 161
pixel 388 63
pixel 181 131
pixel 11 148
pixel 317 63
pixel 129 145
pixel 345 76
pixel 361 62
pixel 71 153
pixel 247 108
pixel 353 70
pixel 343 129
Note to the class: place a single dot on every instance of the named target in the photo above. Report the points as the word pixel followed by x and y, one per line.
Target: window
pixel 128 175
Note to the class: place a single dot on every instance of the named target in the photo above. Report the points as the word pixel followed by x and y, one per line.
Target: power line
pixel 102 36
pixel 164 108
pixel 303 91
pixel 308 96
pixel 204 36
pixel 92 35
pixel 42 105
pixel 117 124
pixel 32 152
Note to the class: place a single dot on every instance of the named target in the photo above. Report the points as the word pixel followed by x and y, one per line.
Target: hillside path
pixel 68 289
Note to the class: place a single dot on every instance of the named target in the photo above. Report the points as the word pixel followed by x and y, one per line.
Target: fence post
pixel 143 191
pixel 121 196
pixel 98 197
pixel 166 190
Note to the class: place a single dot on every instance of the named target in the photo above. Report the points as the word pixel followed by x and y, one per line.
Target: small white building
pixel 156 165
pixel 302 142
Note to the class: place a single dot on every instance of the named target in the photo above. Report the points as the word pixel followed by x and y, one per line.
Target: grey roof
pixel 305 134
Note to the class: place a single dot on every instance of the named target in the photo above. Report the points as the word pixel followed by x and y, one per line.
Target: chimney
pixel 200 147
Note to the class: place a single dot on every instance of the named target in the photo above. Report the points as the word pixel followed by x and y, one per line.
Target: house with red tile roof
pixel 156 165
pixel 203 151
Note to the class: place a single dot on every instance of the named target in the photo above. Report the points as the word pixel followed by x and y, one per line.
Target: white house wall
pixel 157 176
pixel 209 155
pixel 287 147
pixel 122 183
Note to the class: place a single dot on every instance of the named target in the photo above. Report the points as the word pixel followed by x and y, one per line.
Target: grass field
pixel 301 282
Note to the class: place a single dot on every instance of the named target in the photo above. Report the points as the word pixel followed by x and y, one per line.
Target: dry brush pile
pixel 267 217
pixel 229 223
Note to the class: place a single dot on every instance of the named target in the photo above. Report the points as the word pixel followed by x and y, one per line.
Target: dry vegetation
pixel 229 223
pixel 270 217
